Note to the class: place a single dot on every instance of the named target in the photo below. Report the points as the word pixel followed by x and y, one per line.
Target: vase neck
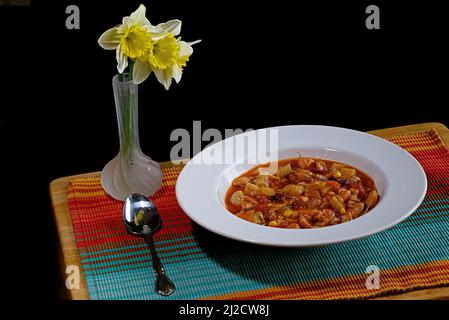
pixel 126 104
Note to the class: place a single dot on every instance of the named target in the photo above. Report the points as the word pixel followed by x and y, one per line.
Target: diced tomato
pixel 333 184
pixel 355 185
pixel 294 164
pixel 262 208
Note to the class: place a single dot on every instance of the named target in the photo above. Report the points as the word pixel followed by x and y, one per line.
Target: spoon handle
pixel 163 285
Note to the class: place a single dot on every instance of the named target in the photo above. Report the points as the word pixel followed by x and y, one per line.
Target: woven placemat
pixel 413 254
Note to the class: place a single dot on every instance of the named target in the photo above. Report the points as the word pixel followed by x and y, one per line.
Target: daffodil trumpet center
pixel 164 53
pixel 135 41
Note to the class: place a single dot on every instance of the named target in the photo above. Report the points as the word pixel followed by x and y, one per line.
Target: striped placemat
pixel 413 254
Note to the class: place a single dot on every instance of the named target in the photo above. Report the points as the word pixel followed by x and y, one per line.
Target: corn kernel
pixel 337 174
pixel 342 210
pixel 273 223
pixel 287 213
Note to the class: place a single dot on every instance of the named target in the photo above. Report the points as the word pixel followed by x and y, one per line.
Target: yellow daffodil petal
pixel 165 53
pixel 122 59
pixel 135 41
pixel 172 26
pixel 141 71
pixel 110 39
pixel 164 77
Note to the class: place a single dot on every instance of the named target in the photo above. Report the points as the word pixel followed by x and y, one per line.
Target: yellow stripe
pixel 169 183
pixel 97 185
pixel 84 194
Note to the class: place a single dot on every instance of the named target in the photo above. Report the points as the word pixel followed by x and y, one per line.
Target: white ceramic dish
pixel 400 179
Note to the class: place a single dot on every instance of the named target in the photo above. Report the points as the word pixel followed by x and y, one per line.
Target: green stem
pixel 130 68
pixel 130 127
pixel 128 119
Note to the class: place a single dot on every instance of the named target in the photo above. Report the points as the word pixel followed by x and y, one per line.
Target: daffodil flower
pixel 167 59
pixel 135 36
pixel 150 48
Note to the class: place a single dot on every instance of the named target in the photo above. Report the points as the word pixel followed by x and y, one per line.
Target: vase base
pixel 120 178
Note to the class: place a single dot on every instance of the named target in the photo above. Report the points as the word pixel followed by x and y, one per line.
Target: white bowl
pixel 400 179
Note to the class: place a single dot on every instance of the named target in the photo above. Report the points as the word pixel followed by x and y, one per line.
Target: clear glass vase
pixel 131 170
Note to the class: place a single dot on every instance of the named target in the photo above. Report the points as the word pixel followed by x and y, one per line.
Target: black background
pixel 259 64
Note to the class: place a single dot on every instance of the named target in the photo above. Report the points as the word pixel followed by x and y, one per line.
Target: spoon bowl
pixel 139 211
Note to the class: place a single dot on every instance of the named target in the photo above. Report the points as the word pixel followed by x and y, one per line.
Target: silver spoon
pixel 142 219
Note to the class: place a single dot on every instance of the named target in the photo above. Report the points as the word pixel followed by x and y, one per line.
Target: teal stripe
pixel 435 201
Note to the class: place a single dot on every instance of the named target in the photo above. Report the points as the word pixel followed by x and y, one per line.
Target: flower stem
pixel 127 92
pixel 129 128
pixel 130 72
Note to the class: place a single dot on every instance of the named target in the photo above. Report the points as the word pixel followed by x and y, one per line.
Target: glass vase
pixel 131 170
